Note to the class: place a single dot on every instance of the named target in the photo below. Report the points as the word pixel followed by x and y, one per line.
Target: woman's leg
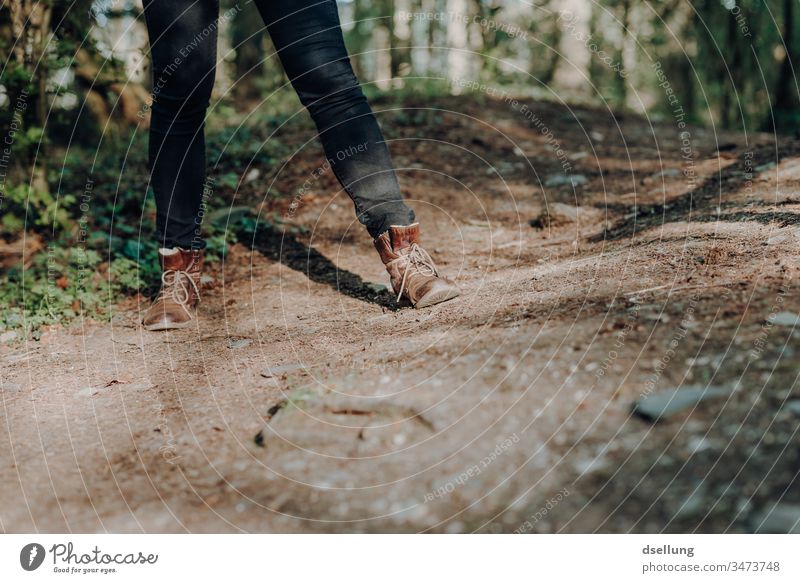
pixel 308 37
pixel 183 43
pixel 309 40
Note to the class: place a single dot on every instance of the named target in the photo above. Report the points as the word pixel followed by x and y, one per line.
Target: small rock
pixel 668 402
pixel 239 343
pixel 564 179
pixel 698 444
pixel 590 465
pixel 786 319
pixel 378 288
pixel 693 505
pixel 252 175
pixel 777 239
pixel 276 371
pixel 206 279
pixel 781 518
pixel 88 391
pixel 659 176
pixel 793 406
pixel 11 387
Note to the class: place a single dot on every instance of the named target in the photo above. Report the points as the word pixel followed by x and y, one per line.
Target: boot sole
pixel 437 298
pixel 161 326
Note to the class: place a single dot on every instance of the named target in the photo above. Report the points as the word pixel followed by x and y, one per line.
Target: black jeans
pixel 308 37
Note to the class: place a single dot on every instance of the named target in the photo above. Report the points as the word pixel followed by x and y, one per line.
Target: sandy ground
pixel 305 401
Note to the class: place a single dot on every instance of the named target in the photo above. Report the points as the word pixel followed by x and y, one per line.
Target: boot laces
pixel 174 286
pixel 422 263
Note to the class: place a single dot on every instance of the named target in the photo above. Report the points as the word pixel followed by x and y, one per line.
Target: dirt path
pixel 506 410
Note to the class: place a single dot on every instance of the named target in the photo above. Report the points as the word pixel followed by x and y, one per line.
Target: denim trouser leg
pixel 308 37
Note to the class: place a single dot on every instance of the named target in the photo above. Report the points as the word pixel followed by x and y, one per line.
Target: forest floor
pixel 305 401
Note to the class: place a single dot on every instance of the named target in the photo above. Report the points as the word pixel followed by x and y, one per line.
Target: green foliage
pixel 99 225
pixel 26 207
pixel 62 283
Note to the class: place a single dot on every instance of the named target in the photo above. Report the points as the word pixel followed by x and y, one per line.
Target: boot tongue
pixel 403 237
pixel 171 258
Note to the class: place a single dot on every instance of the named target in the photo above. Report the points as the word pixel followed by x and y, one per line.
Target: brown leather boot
pixel 175 304
pixel 412 271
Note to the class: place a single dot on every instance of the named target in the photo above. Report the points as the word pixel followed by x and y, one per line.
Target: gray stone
pixel 590 465
pixel 697 444
pixel 694 504
pixel 793 406
pixel 11 387
pixel 88 391
pixel 234 343
pixel 781 518
pixel 668 402
pixel 786 319
pixel 668 173
pixel 566 179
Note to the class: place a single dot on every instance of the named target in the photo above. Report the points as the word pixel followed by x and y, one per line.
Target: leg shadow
pixel 276 244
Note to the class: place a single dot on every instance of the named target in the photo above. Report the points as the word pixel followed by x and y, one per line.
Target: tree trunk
pixel 621 84
pixel 786 99
pixel 248 42
pixel 30 24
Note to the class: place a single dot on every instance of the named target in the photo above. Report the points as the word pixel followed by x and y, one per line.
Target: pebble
pixel 591 465
pixel 11 387
pixel 786 319
pixel 276 371
pixel 694 504
pixel 781 518
pixel 88 391
pixel 563 180
pixel 698 444
pixel 668 402
pixel 667 173
pixel 793 406
pixel 239 343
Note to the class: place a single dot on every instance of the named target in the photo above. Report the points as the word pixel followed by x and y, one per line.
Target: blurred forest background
pixel 75 81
